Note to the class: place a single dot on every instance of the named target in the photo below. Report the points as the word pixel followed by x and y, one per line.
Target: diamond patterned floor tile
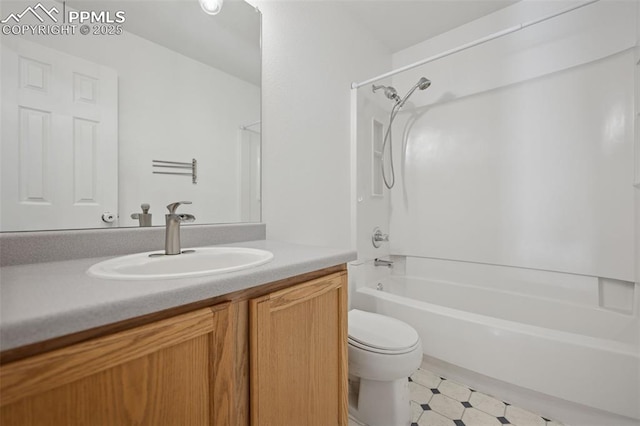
pixel 487 404
pixel 433 403
pixel 437 401
pixel 419 393
pixel 446 406
pixel 431 418
pixel 520 417
pixel 426 378
pixel 416 411
pixel 475 417
pixel 439 409
pixel 454 390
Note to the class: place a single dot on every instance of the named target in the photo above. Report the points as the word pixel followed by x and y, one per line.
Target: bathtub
pixel 558 346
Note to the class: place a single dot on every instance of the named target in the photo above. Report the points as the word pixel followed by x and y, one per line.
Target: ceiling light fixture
pixel 211 7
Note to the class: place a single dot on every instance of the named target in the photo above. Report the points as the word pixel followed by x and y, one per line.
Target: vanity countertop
pixel 42 301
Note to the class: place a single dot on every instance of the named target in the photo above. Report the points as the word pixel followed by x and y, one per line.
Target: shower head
pixel 422 84
pixel 389 91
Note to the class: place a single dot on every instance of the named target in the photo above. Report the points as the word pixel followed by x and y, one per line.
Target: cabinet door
pixel 299 355
pixel 157 374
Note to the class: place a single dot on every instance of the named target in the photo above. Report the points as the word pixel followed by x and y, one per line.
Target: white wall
pixel 250 175
pixel 637 166
pixel 522 151
pixel 311 53
pixel 172 108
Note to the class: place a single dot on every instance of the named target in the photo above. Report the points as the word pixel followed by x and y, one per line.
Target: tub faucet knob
pixel 378 237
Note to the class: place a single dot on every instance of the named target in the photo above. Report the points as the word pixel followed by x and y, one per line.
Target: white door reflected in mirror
pixel 59 139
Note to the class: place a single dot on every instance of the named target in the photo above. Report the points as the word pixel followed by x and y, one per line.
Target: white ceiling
pixel 399 24
pixel 230 41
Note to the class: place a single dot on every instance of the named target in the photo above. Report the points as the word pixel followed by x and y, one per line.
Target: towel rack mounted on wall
pixel 160 164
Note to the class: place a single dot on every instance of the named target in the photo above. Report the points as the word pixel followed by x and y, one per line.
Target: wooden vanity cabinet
pixel 273 355
pixel 299 355
pixel 162 373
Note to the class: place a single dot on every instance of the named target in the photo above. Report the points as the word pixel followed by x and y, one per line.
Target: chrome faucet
pixel 172 236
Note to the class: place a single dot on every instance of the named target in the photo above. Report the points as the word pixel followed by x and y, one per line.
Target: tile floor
pixel 436 401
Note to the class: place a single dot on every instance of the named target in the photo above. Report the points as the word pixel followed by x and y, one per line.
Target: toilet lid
pixel 380 332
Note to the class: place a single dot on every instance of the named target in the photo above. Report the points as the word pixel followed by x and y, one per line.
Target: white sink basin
pixel 191 263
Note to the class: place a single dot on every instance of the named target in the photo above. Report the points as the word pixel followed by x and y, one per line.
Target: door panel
pixel 59 114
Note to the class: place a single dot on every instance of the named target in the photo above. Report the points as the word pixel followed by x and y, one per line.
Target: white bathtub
pixel 568 350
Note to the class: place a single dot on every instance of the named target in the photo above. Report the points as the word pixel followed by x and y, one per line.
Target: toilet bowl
pixel 383 352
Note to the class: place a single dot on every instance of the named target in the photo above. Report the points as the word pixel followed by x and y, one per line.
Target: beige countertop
pixel 41 301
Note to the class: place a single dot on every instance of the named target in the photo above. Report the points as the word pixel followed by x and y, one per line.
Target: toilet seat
pixel 380 334
pixel 382 351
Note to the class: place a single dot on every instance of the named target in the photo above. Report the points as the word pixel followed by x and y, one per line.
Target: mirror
pixel 108 105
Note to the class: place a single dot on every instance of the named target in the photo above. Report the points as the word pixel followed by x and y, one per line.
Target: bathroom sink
pixel 191 263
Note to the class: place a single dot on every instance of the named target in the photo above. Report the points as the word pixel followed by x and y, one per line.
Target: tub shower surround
pixel 513 222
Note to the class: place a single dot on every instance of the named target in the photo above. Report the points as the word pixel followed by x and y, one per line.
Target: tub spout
pixel 382 262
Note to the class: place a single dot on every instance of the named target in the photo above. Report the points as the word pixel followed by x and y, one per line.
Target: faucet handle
pixel 173 206
pixel 378 237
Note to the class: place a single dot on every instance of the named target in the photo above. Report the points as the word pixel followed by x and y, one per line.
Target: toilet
pixel 383 353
